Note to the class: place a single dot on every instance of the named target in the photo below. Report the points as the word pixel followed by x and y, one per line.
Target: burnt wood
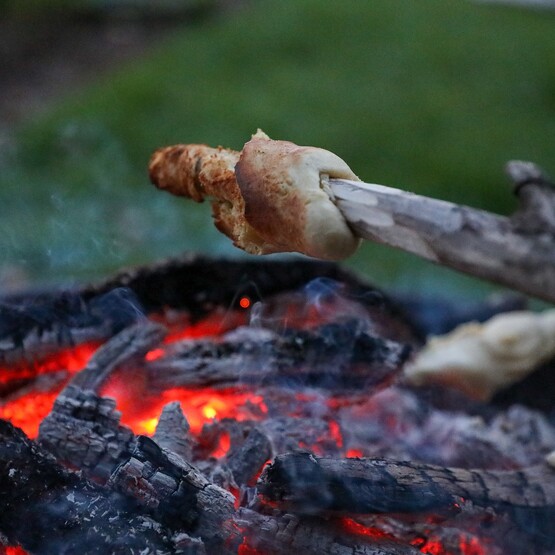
pixel 83 429
pixel 48 510
pixel 287 533
pixel 173 431
pixel 247 459
pixel 333 356
pixel 179 495
pixel 36 324
pixel 310 484
pixel 199 284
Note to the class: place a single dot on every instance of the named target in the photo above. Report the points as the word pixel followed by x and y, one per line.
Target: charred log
pixel 246 460
pixel 331 356
pixel 173 431
pixel 33 326
pixel 286 534
pixel 83 429
pixel 46 509
pixel 308 484
pixel 180 496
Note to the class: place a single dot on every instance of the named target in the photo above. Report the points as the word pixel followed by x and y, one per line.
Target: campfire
pixel 215 406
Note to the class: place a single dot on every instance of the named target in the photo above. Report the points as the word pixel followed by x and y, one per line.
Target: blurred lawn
pixel 431 95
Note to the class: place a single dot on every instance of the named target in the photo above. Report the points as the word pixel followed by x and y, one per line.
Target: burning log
pixel 173 431
pixel 50 507
pixel 83 429
pixel 309 484
pixel 302 199
pixel 330 356
pixel 179 496
pixel 285 534
pixel 35 325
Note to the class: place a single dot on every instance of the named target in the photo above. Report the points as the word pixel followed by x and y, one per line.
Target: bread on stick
pixel 287 200
pixel 271 197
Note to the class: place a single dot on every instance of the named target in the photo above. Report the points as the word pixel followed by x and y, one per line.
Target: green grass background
pixel 433 96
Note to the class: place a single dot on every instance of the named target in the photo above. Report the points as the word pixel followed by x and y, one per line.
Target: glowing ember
pixel 224 443
pixel 69 360
pixel 216 324
pixel 467 545
pixel 15 551
pixel 200 406
pixel 335 433
pixel 244 302
pixel 353 527
pixel 245 549
pixel 354 454
pixel 154 354
pixel 27 412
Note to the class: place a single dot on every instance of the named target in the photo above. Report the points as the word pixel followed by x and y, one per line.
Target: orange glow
pixel 15 551
pixel 154 354
pixel 200 406
pixel 217 323
pixel 224 444
pixel 335 433
pixel 28 411
pixel 72 360
pixel 354 454
pixel 246 549
pixel 467 546
pixel 209 412
pixel 353 527
pixel 146 427
pixel 244 302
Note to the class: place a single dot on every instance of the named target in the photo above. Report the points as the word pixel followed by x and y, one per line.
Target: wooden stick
pixel 516 251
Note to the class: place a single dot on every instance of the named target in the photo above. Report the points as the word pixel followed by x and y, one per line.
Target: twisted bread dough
pixel 272 197
pixel 198 172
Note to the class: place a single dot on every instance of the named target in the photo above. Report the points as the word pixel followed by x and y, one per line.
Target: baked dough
pixel 272 197
pixel 198 172
pixel 288 201
pixel 481 359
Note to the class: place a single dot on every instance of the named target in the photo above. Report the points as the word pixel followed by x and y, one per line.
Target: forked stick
pixel 275 196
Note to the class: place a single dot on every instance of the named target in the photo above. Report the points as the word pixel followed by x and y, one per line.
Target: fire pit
pixel 209 406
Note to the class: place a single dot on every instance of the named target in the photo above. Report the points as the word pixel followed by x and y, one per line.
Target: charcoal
pixel 332 356
pixel 50 508
pixel 173 431
pixel 129 346
pixel 178 494
pixel 316 485
pixel 34 326
pixel 246 460
pixel 83 429
pixel 186 545
pixel 287 533
pixel 398 423
pixel 320 364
